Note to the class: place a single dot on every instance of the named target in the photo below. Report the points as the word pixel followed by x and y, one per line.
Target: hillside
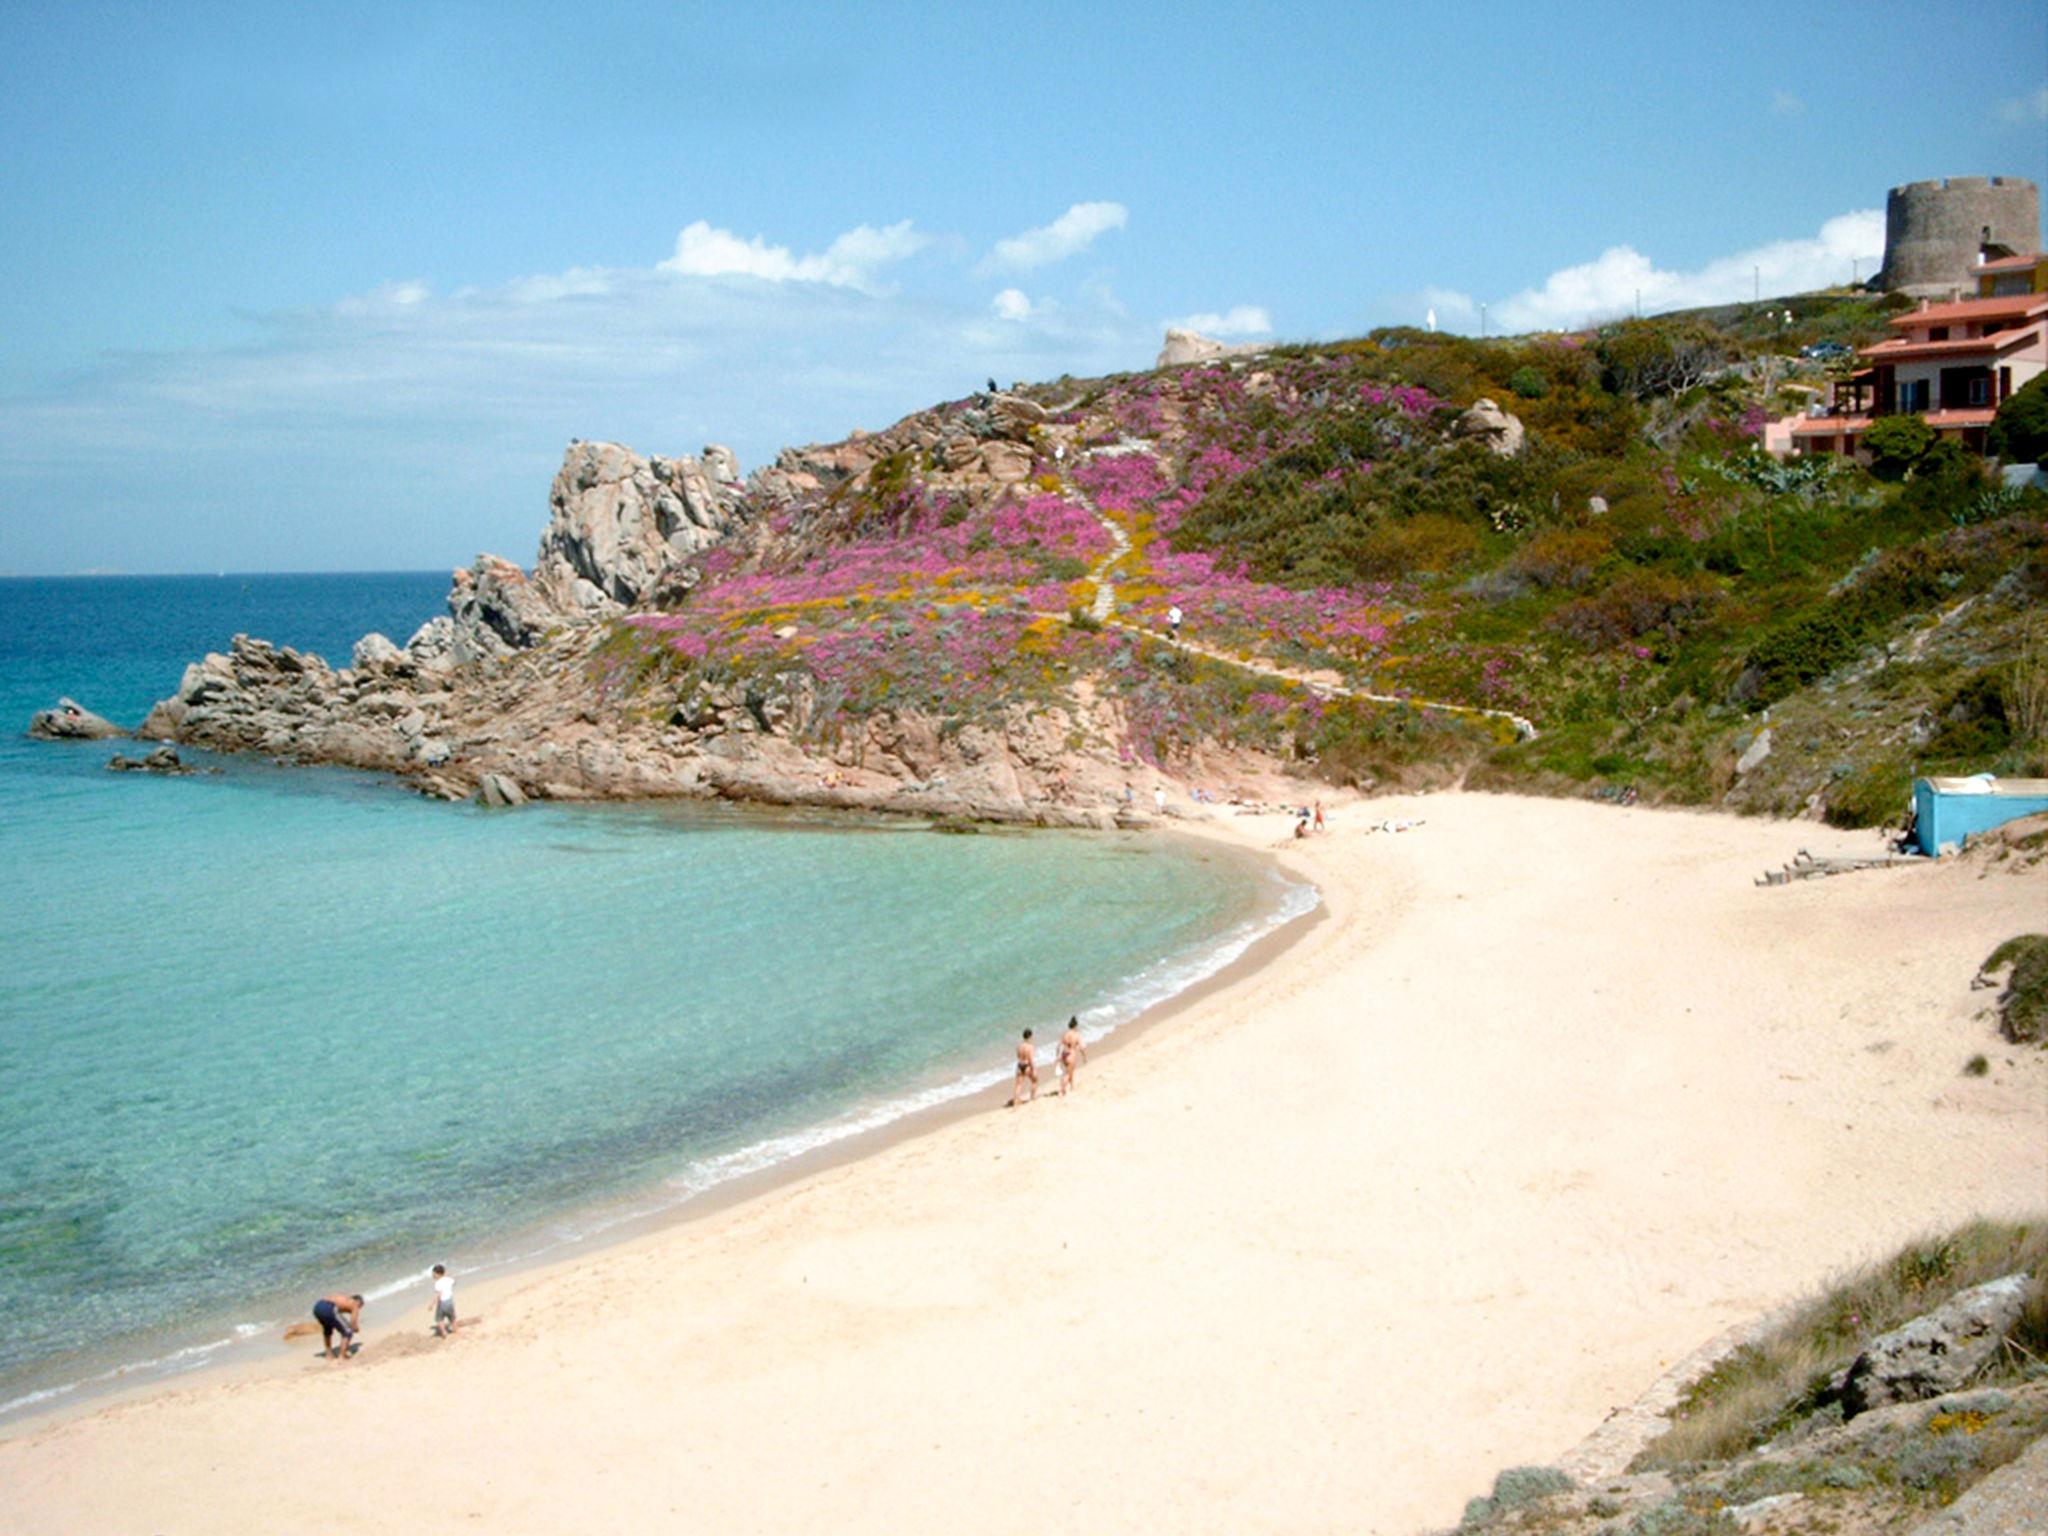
pixel 1597 584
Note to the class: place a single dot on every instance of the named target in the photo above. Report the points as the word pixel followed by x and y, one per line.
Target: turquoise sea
pixel 268 1032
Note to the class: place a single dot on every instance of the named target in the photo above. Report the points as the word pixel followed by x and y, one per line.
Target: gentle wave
pixel 1155 984
pixel 1151 986
pixel 190 1358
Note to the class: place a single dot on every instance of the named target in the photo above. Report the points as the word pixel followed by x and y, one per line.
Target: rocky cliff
pixel 508 684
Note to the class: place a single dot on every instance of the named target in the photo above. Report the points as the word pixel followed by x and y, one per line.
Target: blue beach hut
pixel 1945 811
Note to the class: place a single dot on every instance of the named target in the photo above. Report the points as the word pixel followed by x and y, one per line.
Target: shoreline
pixel 1301 1262
pixel 625 1218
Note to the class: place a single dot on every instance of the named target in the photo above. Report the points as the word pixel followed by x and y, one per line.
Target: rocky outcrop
pixel 494 609
pixel 1183 346
pixel 1485 423
pixel 163 760
pixel 1936 1352
pixel 619 523
pixel 71 721
pixel 272 699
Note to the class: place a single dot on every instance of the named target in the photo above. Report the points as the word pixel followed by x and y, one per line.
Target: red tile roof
pixel 2012 263
pixel 1898 349
pixel 1974 417
pixel 1828 426
pixel 2011 306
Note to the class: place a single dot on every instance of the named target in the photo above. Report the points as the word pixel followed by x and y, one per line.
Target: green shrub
pixel 1529 383
pixel 1636 604
pixel 1646 358
pixel 1514 1487
pixel 2023 1005
pixel 1896 443
pixel 1875 796
pixel 2019 432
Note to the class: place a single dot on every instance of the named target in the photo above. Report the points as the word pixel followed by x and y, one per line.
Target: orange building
pixel 1950 364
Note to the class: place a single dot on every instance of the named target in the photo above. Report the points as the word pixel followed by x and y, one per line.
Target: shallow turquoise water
pixel 271 1032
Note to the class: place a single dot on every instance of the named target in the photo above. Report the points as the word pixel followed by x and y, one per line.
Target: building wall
pixel 1933 230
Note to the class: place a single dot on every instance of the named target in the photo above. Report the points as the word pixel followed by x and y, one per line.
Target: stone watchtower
pixel 1935 231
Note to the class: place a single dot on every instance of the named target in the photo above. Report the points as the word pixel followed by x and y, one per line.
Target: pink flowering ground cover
pixel 931 604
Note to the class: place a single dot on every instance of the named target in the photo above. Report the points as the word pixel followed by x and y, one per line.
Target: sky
pixel 331 287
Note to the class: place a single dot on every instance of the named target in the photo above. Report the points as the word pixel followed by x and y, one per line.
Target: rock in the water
pixel 1485 422
pixel 499 792
pixel 375 650
pixel 72 721
pixel 1184 346
pixel 1936 1352
pixel 162 760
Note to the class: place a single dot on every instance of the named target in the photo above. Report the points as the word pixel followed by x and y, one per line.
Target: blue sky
pixel 330 287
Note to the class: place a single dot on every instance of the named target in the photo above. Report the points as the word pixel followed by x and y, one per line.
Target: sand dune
pixel 1551 1095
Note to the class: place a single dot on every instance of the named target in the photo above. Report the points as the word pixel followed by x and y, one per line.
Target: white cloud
pixel 386 299
pixel 1243 320
pixel 850 261
pixel 413 428
pixel 1012 304
pixel 2022 110
pixel 1068 235
pixel 1622 278
pixel 1785 104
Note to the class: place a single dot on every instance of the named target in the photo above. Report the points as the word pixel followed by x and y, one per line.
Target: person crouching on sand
pixel 444 1302
pixel 342 1315
pixel 1072 1053
pixel 1027 1071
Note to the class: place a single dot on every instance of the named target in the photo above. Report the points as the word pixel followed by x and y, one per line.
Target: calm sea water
pixel 270 1032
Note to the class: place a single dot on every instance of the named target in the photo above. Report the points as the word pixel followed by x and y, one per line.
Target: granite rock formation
pixel 72 721
pixel 620 522
pixel 1183 347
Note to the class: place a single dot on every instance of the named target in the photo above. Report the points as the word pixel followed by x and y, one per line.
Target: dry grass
pixel 1763 1387
pixel 2026 691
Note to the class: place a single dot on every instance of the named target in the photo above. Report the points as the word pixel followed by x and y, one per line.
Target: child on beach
pixel 444 1302
pixel 1072 1053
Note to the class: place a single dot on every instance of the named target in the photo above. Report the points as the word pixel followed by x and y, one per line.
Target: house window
pixel 1912 396
pixel 2005 383
pixel 1980 390
pixel 1937 333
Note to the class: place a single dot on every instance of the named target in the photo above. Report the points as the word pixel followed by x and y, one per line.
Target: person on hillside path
pixel 1073 1051
pixel 1173 618
pixel 1027 1072
pixel 342 1314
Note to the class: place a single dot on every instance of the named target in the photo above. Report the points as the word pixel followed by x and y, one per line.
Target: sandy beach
pixel 1552 1095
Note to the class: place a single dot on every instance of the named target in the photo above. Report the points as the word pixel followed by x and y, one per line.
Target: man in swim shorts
pixel 342 1315
pixel 1072 1053
pixel 1027 1071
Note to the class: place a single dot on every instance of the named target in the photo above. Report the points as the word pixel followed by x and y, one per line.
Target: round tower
pixel 1935 230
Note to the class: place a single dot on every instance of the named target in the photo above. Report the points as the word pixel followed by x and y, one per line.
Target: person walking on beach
pixel 1319 817
pixel 1073 1051
pixel 342 1315
pixel 444 1302
pixel 1159 798
pixel 1027 1071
